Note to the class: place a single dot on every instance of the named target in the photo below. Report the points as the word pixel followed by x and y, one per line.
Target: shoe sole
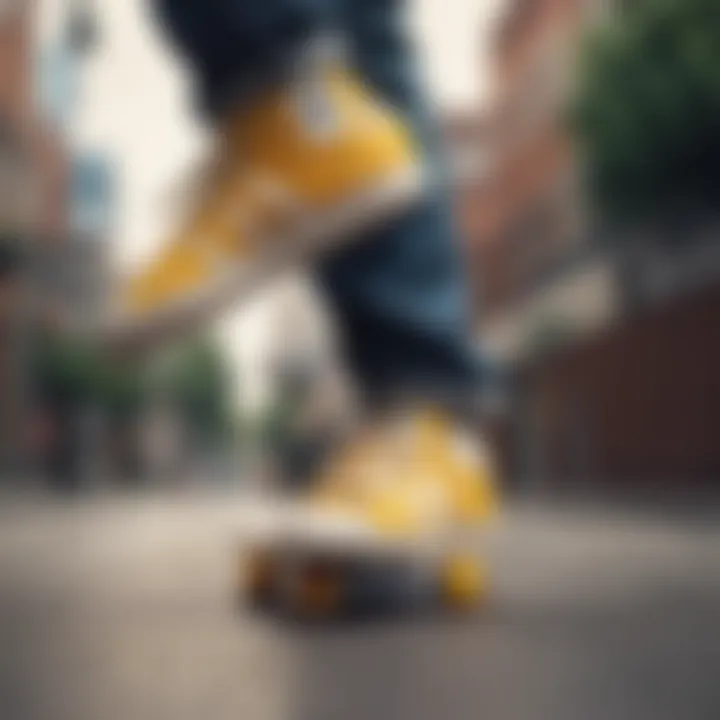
pixel 317 233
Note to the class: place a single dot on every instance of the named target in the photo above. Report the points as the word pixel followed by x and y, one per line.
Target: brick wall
pixel 640 403
pixel 44 152
pixel 524 214
pixel 42 184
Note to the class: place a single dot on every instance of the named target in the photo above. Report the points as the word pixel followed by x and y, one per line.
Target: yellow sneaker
pixel 387 520
pixel 306 167
pixel 410 477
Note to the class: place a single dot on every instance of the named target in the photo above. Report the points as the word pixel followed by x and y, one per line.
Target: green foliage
pixel 548 337
pixel 647 110
pixel 120 387
pixel 275 425
pixel 9 254
pixel 70 373
pixel 197 380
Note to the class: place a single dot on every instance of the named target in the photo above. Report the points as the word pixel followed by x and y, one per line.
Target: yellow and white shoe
pixel 390 513
pixel 413 477
pixel 304 168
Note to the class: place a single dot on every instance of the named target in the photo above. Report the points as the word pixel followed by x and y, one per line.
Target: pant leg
pixel 401 297
pixel 237 47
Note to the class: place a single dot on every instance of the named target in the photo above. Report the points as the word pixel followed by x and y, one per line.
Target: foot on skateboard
pixel 392 517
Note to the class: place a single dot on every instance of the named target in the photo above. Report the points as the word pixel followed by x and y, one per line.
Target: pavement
pixel 121 608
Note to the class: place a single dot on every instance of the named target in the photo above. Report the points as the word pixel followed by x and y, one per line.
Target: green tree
pixel 9 254
pixel 198 381
pixel 72 373
pixel 647 110
pixel 69 376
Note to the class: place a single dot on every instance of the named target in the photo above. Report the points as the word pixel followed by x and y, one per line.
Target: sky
pixel 134 106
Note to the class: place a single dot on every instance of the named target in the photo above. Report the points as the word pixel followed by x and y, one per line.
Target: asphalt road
pixel 122 610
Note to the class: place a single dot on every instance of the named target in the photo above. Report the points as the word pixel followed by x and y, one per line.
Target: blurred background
pixel 591 239
pixel 589 222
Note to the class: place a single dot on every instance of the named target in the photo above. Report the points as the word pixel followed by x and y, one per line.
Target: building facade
pixel 612 354
pixel 34 165
pixel 530 216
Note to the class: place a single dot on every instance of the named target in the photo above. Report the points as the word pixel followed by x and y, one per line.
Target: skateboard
pixel 325 576
pixel 412 544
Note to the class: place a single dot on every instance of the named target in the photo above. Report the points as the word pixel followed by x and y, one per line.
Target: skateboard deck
pixel 319 571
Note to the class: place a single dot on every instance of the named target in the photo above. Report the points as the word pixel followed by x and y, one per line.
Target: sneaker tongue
pixel 306 89
pixel 327 50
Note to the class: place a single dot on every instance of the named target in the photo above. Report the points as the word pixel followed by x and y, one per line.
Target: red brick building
pixel 605 392
pixel 34 187
pixel 639 403
pixel 529 212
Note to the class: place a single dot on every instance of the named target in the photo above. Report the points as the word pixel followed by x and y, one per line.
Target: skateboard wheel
pixel 463 583
pixel 316 592
pixel 256 578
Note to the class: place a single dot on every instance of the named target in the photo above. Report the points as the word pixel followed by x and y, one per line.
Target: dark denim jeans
pixel 401 297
